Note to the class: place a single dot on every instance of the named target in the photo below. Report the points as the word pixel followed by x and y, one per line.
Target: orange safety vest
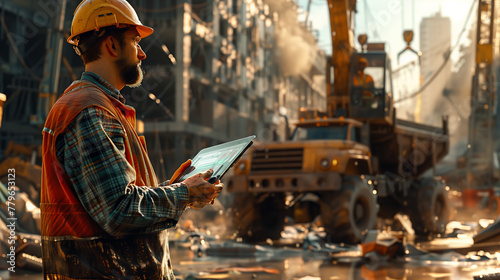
pixel 364 81
pixel 61 212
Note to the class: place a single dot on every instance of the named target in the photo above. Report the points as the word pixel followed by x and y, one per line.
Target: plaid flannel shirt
pixel 92 153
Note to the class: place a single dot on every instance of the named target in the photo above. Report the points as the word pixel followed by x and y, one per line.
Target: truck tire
pixel 348 213
pixel 429 207
pixel 258 218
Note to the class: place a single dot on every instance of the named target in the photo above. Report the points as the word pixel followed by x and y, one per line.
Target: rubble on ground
pixel 208 242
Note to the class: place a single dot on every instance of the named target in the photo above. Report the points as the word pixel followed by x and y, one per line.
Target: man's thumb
pixel 207 174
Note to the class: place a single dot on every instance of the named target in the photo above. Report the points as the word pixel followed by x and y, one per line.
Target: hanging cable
pixel 412 14
pixel 441 67
pixel 403 14
pixel 16 50
pixel 365 6
pixel 372 18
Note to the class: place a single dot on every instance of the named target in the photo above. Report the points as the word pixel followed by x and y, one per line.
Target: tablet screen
pixel 220 158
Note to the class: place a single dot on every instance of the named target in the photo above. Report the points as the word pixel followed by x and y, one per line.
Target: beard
pixel 132 74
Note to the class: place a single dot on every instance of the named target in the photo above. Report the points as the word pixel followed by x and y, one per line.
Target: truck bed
pixel 408 149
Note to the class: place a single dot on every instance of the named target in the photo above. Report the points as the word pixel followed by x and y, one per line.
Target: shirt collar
pixel 107 87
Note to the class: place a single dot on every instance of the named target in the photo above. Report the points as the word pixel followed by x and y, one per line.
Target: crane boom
pixel 341 24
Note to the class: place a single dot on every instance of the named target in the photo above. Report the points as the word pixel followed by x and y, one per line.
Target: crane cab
pixel 371 88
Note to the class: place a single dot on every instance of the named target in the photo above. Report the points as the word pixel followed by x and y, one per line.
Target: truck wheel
pixel 429 207
pixel 349 212
pixel 257 218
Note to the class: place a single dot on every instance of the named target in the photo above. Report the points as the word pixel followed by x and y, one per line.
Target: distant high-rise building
pixel 435 44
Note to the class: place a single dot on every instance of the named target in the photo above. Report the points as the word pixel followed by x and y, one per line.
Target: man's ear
pixel 111 46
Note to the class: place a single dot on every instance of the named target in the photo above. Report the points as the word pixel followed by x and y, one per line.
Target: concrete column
pixel 183 52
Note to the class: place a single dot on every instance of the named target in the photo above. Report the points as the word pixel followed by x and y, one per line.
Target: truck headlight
pixel 242 166
pixel 324 163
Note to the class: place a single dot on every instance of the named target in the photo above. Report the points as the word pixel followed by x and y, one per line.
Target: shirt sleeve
pixel 92 153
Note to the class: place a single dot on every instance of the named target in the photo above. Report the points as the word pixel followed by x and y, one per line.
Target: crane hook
pixel 408 36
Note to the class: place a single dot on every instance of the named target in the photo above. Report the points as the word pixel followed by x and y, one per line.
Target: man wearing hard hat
pixel 104 215
pixel 360 79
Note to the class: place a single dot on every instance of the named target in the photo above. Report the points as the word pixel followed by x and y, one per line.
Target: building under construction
pixel 215 71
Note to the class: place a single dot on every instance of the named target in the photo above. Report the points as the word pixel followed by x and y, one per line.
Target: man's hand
pixel 202 192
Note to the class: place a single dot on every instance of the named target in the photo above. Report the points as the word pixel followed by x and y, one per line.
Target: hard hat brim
pixel 144 31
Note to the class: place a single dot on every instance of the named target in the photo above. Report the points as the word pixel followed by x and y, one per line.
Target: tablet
pixel 219 157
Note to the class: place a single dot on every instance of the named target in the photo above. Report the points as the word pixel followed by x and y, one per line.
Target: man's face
pixel 361 66
pixel 129 62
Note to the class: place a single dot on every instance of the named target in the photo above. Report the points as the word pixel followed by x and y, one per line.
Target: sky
pixel 385 20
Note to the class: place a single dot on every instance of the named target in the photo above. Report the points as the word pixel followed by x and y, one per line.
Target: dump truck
pixel 348 166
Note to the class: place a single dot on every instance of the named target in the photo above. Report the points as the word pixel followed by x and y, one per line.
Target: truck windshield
pixel 321 132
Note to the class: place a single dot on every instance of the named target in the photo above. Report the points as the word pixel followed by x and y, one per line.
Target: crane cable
pixel 441 67
pixel 412 14
pixel 368 13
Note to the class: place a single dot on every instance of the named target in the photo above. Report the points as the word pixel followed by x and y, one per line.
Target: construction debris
pixel 200 251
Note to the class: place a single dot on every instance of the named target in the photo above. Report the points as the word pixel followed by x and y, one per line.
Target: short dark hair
pixel 94 53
